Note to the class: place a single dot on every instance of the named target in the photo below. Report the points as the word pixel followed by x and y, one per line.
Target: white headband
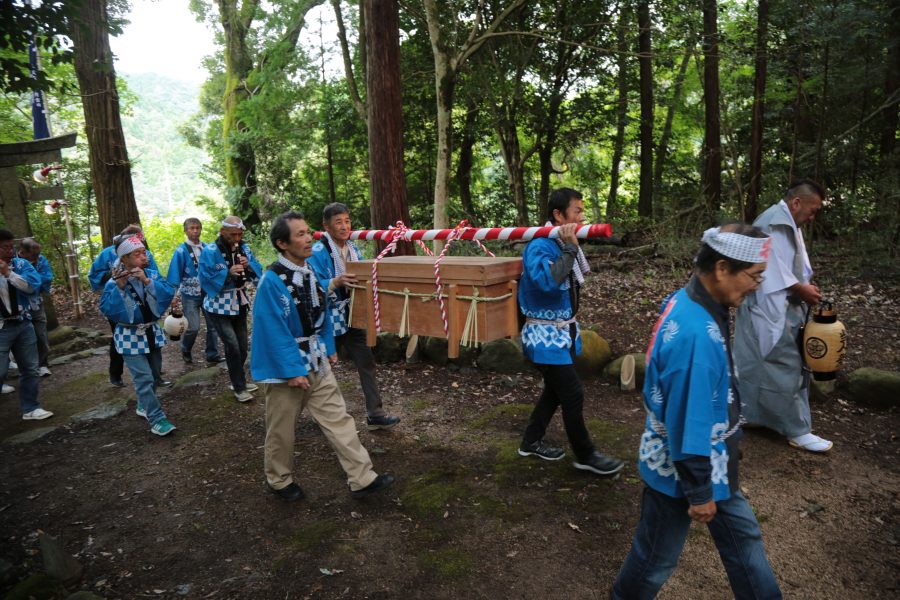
pixel 238 225
pixel 128 245
pixel 737 246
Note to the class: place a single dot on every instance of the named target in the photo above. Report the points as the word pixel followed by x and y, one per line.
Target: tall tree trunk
pixel 508 134
pixel 712 141
pixel 822 125
pixel 751 205
pixel 387 180
pixel 110 167
pixel 240 159
pixel 645 196
pixel 662 150
pixel 889 155
pixel 612 203
pixel 446 66
pixel 466 160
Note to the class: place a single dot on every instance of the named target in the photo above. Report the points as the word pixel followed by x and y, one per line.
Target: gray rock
pixel 61 334
pixel 595 353
pixel 26 437
pixel 79 343
pixel 503 356
pixel 434 350
pixel 58 563
pixel 389 347
pixel 874 387
pixel 206 376
pixel 104 410
pixel 614 369
pixel 37 585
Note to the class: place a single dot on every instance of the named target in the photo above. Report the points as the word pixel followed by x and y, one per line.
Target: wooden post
pixel 512 324
pixel 453 333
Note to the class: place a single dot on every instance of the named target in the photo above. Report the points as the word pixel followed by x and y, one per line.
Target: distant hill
pixel 166 170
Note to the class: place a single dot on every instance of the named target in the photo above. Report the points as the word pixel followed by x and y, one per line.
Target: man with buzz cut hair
pixel 773 377
pixel 226 266
pixel 552 275
pixel 18 279
pixel 329 260
pixel 184 274
pixel 293 350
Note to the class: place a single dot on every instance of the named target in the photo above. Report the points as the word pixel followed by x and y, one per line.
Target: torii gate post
pixel 14 195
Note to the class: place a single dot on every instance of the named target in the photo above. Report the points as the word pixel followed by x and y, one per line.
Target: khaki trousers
pixel 327 407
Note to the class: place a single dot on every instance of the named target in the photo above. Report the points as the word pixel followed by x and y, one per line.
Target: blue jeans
pixel 142 367
pixel 19 337
pixel 660 537
pixel 192 309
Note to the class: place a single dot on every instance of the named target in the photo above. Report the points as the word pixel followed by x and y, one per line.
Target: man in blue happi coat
pixel 184 274
pixel 101 271
pixel 689 449
pixel 226 267
pixel 18 279
pixel 329 257
pixel 293 349
pixel 135 298
pixel 30 250
pixel 552 275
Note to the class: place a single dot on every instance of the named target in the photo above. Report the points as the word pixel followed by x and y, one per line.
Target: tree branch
pixel 358 103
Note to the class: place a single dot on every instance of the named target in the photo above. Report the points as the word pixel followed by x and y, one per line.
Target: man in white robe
pixel 774 383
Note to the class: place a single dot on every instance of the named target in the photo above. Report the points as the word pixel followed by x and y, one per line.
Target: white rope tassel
pixel 350 314
pixel 471 323
pixel 404 316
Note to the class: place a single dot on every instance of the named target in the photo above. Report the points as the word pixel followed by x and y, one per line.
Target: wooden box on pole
pixel 479 298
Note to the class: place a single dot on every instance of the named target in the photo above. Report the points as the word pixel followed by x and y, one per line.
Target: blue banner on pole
pixel 38 106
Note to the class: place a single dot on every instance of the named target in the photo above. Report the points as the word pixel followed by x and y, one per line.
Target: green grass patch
pixel 429 494
pixel 447 563
pixel 511 469
pixel 313 537
pixel 502 416
pixel 613 438
pixel 420 404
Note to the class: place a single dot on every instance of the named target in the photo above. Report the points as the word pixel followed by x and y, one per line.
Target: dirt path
pixel 189 516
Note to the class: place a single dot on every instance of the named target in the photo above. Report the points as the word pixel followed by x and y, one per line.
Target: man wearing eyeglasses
pixel 774 384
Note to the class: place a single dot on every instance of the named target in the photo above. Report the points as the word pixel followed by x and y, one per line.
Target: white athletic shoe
pixel 38 414
pixel 7 389
pixel 244 396
pixel 44 371
pixel 251 387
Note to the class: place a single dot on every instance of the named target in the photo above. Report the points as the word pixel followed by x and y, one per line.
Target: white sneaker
pixel 44 371
pixel 38 414
pixel 810 443
pixel 251 387
pixel 13 366
pixel 244 396
pixel 7 389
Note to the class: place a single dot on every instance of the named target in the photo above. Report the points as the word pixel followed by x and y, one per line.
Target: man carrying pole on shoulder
pixel 328 260
pixel 552 276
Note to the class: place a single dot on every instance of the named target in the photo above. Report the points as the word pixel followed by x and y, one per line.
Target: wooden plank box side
pixel 423 314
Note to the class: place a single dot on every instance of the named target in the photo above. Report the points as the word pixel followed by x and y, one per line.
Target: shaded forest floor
pixel 189 515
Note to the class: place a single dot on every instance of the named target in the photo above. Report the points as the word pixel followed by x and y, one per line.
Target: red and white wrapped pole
pixel 597 230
